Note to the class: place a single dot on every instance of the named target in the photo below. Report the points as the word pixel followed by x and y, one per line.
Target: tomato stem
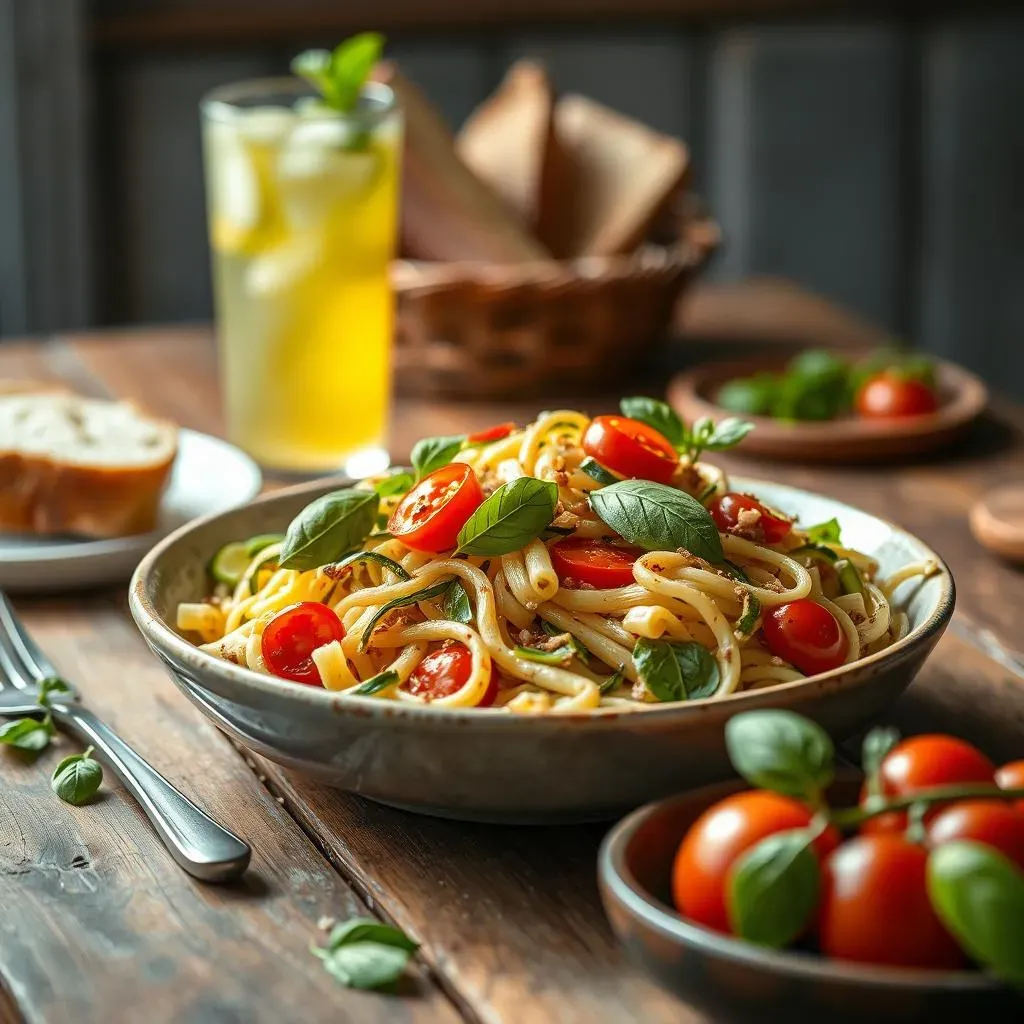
pixel 852 816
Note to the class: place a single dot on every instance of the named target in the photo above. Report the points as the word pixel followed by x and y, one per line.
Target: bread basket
pixel 490 331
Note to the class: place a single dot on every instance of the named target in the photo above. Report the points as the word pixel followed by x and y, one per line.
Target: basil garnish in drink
pixel 676 670
pixel 658 518
pixel 515 514
pixel 339 75
pixel 323 530
pixel 432 453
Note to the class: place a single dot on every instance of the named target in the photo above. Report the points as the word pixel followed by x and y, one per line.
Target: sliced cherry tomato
pixel 291 637
pixel 889 396
pixel 577 560
pixel 718 837
pixel 743 514
pixel 922 762
pixel 630 448
pixel 445 671
pixel 1011 776
pixel 807 635
pixel 495 433
pixel 985 821
pixel 430 516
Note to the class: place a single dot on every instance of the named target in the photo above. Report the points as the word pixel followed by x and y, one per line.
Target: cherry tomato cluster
pixel 890 395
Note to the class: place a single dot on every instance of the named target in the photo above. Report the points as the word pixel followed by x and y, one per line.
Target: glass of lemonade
pixel 302 204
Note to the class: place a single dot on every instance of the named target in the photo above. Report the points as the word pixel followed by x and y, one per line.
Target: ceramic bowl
pixel 735 981
pixel 489 765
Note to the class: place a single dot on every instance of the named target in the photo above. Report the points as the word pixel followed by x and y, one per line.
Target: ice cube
pixel 233 184
pixel 278 269
pixel 264 125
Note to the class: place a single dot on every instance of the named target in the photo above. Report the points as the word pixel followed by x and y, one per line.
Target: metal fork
pixel 198 844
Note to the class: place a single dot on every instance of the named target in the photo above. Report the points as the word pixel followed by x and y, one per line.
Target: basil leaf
pixel 432 453
pixel 559 656
pixel 613 681
pixel 25 734
pixel 367 929
pixel 824 533
pixel 76 779
pixel 373 556
pixel 746 624
pixel 782 751
pixel 727 433
pixel 400 602
pixel 597 472
pixel 315 67
pixel 676 669
pixel 815 387
pixel 749 396
pixel 578 649
pixel 327 527
pixel 655 414
pixel 878 742
pixel 398 481
pixel 515 514
pixel 351 64
pixel 381 681
pixel 456 604
pixel 366 965
pixel 658 518
pixel 773 889
pixel 51 684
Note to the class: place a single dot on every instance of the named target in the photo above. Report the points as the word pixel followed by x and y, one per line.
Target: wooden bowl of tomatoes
pixel 824 407
pixel 897 895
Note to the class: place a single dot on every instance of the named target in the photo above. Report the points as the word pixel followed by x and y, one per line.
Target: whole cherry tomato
pixel 985 821
pixel 291 637
pixel 578 560
pixel 445 671
pixel 875 908
pixel 1011 776
pixel 430 516
pixel 495 433
pixel 718 837
pixel 890 396
pixel 630 448
pixel 807 635
pixel 743 514
pixel 922 762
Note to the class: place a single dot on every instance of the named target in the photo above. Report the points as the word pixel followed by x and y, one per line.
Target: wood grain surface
pixel 99 925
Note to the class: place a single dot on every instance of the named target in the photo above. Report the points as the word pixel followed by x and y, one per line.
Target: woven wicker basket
pixel 489 331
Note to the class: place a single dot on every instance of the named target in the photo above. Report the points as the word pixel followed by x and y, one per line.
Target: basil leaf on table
pixel 381 681
pixel 815 387
pixel 773 889
pixel 655 414
pixel 436 590
pixel 366 954
pixel 368 929
pixel 396 482
pixel 676 669
pixel 77 778
pixel 658 518
pixel 782 751
pixel 432 453
pixel 824 533
pixel 456 605
pixel 324 529
pixel 979 896
pixel 515 514
pixel 26 734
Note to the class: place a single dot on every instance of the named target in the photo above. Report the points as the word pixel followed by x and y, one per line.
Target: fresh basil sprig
pixel 689 441
pixel 34 734
pixel 366 954
pixel 456 605
pixel 659 415
pixel 515 514
pixel 430 453
pixel 328 527
pixel 339 75
pixel 824 533
pixel 658 518
pixel 398 481
pixel 77 778
pixel 676 669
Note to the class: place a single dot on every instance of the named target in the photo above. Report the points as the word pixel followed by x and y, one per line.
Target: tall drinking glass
pixel 302 204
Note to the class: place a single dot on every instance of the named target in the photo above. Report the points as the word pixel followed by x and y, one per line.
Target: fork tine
pixel 10 669
pixel 17 648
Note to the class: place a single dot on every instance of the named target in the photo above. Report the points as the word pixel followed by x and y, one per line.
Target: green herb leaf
pixel 559 656
pixel 750 396
pixel 51 684
pixel 432 453
pixel 655 414
pixel 456 605
pixel 341 75
pixel 979 896
pixel 658 518
pixel 773 889
pixel 824 533
pixel 750 615
pixel 782 751
pixel 315 67
pixel 328 527
pixel 578 649
pixel 367 929
pixel 597 472
pixel 815 387
pixel 849 577
pixel 77 778
pixel 727 433
pixel 733 570
pixel 878 742
pixel 398 481
pixel 373 556
pixel 614 681
pixel 676 670
pixel 381 681
pixel 515 514
pixel 25 734
pixel 366 965
pixel 436 590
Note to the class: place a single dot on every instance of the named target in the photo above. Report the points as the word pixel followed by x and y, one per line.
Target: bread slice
pixel 509 141
pixel 71 465
pixel 448 213
pixel 622 175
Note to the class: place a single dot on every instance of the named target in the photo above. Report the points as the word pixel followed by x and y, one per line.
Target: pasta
pixel 574 565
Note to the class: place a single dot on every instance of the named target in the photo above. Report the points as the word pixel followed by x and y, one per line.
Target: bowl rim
pixel 181 651
pixel 621 885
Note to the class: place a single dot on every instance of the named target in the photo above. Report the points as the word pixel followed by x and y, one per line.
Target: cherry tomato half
pixel 807 635
pixel 889 396
pixel 745 515
pixel 718 837
pixel 985 821
pixel 445 671
pixel 291 637
pixel 922 762
pixel 577 560
pixel 1011 776
pixel 430 516
pixel 630 448
pixel 495 433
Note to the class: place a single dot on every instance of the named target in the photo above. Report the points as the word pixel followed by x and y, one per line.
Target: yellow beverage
pixel 302 207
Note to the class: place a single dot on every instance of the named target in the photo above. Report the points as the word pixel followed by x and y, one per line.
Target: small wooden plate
pixel 997 521
pixel 962 397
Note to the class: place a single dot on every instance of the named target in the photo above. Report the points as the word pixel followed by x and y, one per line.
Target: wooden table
pixel 97 923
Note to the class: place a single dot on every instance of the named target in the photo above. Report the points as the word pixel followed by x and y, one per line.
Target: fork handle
pixel 200 846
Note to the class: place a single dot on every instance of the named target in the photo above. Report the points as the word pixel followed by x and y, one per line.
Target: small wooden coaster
pixel 997 521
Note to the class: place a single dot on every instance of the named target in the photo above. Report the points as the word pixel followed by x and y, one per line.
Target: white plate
pixel 208 476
